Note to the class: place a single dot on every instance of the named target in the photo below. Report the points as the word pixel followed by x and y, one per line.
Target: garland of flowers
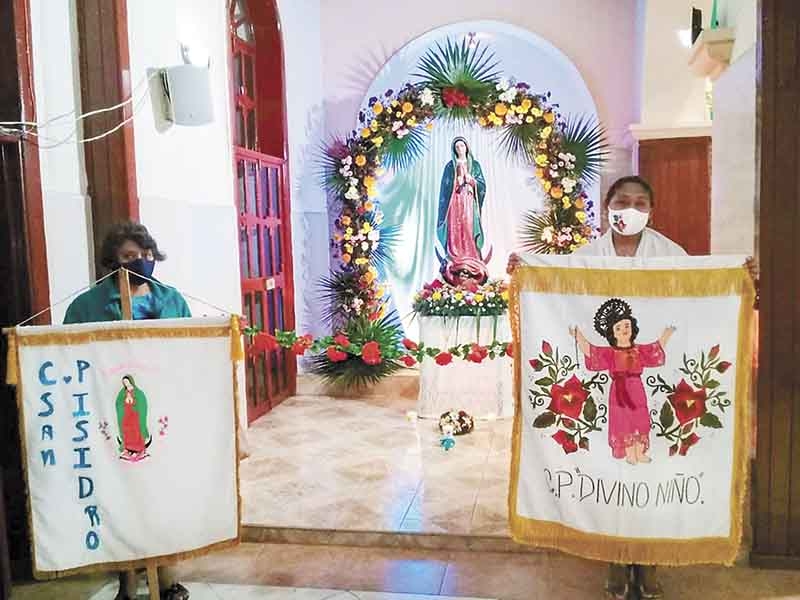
pixel 440 299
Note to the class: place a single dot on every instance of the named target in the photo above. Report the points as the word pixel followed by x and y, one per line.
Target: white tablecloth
pixel 480 389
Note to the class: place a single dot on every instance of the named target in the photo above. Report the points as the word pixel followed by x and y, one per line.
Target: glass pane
pixel 240 186
pixel 240 137
pixel 278 251
pixel 274 180
pixel 251 188
pixel 252 134
pixel 244 263
pixel 271 310
pixel 248 308
pixel 263 177
pixel 255 253
pixel 249 76
pixel 251 380
pixel 259 313
pixel 281 322
pixel 237 73
pixel 269 271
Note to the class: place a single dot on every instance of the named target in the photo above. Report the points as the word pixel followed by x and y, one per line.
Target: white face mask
pixel 628 221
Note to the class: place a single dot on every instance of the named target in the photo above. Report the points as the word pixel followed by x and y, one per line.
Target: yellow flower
pixel 369 277
pixel 429 126
pixel 377 108
pixel 500 109
pixel 504 295
pixel 395 103
pixel 436 296
pixel 346 258
pixel 361 261
pixel 379 291
pixel 365 133
pixel 458 296
pixel 398 114
pixel 346 220
pixel 539 173
pixel 407 107
pixel 478 297
pixel 482 121
pixel 549 117
pixel 526 105
pixel 378 141
pixel 366 228
pixel 348 248
pixel 541 160
pixel 368 206
pixel 361 160
pixel 380 171
pixel 557 191
pixel 529 119
pixel 412 122
pixel 547 185
pixel 374 125
pixel 337 237
pixel 545 133
pixel 565 203
pixel 536 111
pixel 573 247
pixel 369 181
pixel 348 232
pixel 579 204
pixel 581 216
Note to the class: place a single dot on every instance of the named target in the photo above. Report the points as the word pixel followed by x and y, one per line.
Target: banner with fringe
pixel 129 441
pixel 632 383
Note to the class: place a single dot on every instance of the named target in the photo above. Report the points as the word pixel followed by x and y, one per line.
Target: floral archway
pixel 458 82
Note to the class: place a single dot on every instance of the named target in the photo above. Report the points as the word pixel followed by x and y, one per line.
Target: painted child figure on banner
pixel 130 245
pixel 131 406
pixel 629 416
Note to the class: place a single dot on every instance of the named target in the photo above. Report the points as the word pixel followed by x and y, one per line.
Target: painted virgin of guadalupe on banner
pixel 458 228
pixel 134 437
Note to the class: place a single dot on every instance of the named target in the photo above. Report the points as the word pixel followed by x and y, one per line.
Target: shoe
pixel 618 593
pixel 656 593
pixel 175 592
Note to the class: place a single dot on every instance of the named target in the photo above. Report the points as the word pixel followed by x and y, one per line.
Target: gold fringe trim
pixel 111 335
pixel 679 283
pixel 12 372
pixel 237 347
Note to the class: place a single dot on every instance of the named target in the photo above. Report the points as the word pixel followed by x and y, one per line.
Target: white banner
pixel 130 440
pixel 633 397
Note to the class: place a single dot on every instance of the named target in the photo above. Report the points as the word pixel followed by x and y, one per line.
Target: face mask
pixel 628 221
pixel 140 270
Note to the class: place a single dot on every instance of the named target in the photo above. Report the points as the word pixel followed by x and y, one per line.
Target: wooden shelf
pixel 711 52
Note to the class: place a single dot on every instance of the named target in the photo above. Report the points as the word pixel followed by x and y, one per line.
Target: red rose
pixel 477 353
pixel 723 366
pixel 510 350
pixel 342 340
pixel 687 443
pixel 410 345
pixel 534 362
pixel 714 352
pixel 452 97
pixel 371 353
pixel 436 284
pixel 408 360
pixel 547 349
pixel 568 399
pixel 443 358
pixel 335 355
pixel 565 440
pixel 299 348
pixel 688 403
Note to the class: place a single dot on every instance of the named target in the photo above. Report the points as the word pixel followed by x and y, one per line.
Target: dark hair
pixel 609 314
pixel 121 233
pixel 630 179
pixel 130 380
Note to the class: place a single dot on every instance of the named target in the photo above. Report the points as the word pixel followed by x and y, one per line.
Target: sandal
pixel 656 593
pixel 175 592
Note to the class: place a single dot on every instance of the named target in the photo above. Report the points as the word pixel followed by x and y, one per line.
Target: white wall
pixel 67 212
pixel 741 15
pixel 671 95
pixel 300 26
pixel 185 174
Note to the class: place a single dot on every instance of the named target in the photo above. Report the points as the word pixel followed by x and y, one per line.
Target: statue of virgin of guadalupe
pixel 458 228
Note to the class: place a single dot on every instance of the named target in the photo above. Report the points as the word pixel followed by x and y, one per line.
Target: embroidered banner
pixel 632 387
pixel 129 437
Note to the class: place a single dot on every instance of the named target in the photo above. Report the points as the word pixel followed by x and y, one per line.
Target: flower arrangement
pixel 456 420
pixel 441 299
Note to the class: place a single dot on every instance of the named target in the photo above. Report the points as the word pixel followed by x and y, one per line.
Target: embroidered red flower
pixel 723 366
pixel 714 352
pixel 410 345
pixel 568 399
pixel 408 360
pixel 687 443
pixel 688 403
pixel 443 358
pixel 510 350
pixel 565 440
pixel 342 340
pixel 477 353
pixel 335 355
pixel 371 353
pixel 547 349
pixel 534 362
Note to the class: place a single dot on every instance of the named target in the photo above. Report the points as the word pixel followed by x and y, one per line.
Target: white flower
pixel 397 125
pixel 347 160
pixel 513 119
pixel 345 171
pixel 374 235
pixel 426 98
pixel 509 95
pixel 547 234
pixel 568 184
pixel 502 84
pixel 365 246
pixel 402 133
pixel 352 193
pixel 354 181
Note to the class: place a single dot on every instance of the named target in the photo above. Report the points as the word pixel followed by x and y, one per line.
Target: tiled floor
pixel 330 463
pixel 537 576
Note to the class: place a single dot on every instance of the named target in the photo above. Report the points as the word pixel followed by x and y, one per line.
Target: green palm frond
pixel 400 153
pixel 518 141
pixel 383 255
pixel 585 137
pixel 336 290
pixel 530 232
pixel 329 165
pixel 354 372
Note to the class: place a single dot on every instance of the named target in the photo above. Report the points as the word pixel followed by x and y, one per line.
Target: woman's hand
pixel 513 262
pixel 666 335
